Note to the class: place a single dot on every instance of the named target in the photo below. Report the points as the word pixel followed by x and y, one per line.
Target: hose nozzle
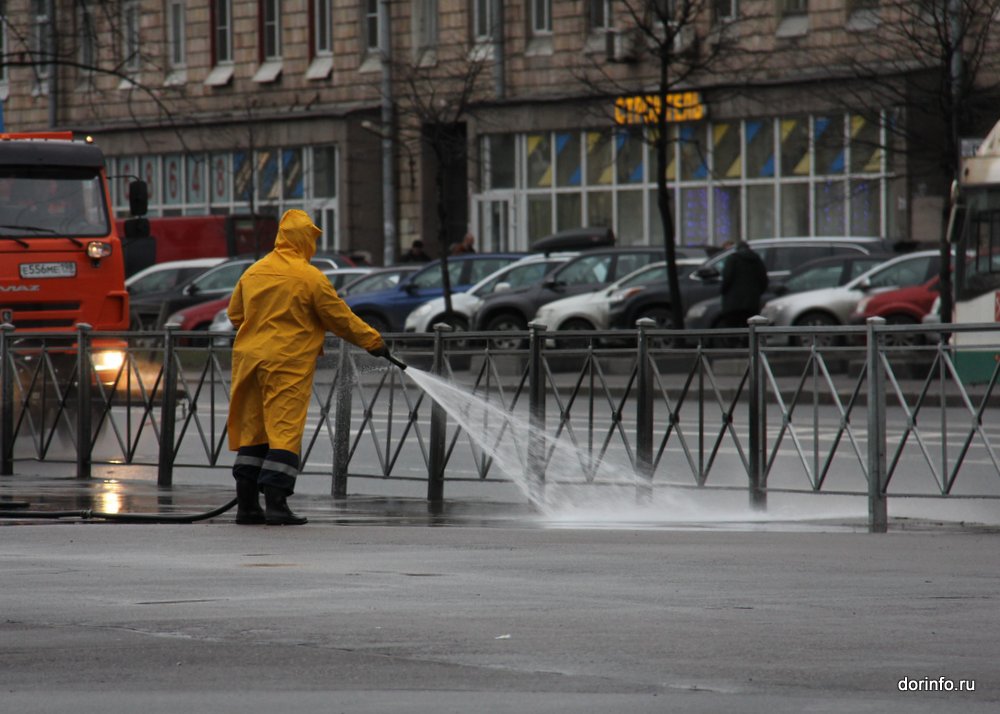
pixel 396 361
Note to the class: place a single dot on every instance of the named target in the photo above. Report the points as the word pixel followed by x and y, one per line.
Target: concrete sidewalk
pixel 365 610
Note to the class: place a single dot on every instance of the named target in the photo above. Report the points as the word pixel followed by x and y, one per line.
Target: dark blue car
pixel 386 310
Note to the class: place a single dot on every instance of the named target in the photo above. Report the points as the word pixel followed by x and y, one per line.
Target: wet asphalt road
pixel 486 610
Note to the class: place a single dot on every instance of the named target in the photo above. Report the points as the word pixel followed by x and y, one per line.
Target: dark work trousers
pixel 264 466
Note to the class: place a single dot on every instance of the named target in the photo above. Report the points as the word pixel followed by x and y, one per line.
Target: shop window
pixel 220 180
pixel 865 208
pixel 293 186
pixel 694 165
pixel 194 187
pixel 600 166
pixel 760 149
pixel 600 208
pixel 866 146
pixel 569 208
pixel 269 188
pixel 539 216
pixel 242 177
pixel 726 158
pixel 500 161
pixel 324 172
pixel 173 180
pixel 829 145
pixel 794 209
pixel 569 170
pixel 539 156
pixel 726 209
pixel 629 230
pixel 760 212
pixel 694 215
pixel 795 147
pixel 629 148
pixel 831 208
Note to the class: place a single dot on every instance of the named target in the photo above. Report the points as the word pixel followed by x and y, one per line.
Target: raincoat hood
pixel 297 234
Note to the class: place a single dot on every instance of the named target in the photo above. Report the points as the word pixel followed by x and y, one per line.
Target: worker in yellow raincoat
pixel 282 308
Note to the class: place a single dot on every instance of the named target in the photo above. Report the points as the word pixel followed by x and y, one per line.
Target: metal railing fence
pixel 876 410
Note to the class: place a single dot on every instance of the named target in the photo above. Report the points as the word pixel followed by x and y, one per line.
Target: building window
pixel 270 29
pixel 371 25
pixel 130 35
pixel 782 176
pixel 724 10
pixel 41 38
pixel 541 17
pixel 600 14
pixel 426 23
pixel 87 50
pixel 176 55
pixel 222 32
pixel 482 19
pixel 793 7
pixel 322 27
pixel 3 53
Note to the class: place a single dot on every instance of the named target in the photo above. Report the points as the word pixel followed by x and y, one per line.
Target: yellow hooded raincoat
pixel 282 308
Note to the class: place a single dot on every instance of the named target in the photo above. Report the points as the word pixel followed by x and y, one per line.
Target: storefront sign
pixel 645 108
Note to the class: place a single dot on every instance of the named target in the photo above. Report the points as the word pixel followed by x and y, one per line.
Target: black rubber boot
pixel 248 510
pixel 276 510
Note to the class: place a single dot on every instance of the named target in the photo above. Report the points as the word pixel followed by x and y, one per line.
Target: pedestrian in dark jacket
pixel 744 280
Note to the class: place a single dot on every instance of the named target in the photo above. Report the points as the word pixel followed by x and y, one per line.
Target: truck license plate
pixel 48 270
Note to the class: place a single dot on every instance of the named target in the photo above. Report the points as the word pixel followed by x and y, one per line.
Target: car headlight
pixel 862 305
pixel 620 296
pixel 176 319
pixel 97 249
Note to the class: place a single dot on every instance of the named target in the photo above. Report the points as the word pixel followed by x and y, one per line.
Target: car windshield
pixel 371 283
pixel 517 277
pixel 224 277
pixel 52 202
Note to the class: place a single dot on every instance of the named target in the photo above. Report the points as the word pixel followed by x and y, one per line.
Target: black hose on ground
pixel 88 514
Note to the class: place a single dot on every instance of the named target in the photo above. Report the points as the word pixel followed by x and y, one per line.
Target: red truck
pixel 184 237
pixel 61 260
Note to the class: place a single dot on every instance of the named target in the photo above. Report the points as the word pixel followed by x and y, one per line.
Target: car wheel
pixel 663 319
pixel 575 324
pixel 376 322
pixel 902 339
pixel 818 319
pixel 507 322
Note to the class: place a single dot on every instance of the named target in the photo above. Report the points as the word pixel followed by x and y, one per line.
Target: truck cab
pixel 61 261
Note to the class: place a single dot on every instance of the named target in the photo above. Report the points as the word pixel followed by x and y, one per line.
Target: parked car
pixel 780 255
pixel 904 306
pixel 166 276
pixel 339 277
pixel 590 311
pixel 513 309
pixel 822 273
pixel 386 310
pixel 834 306
pixel 377 279
pixel 152 310
pixel 464 306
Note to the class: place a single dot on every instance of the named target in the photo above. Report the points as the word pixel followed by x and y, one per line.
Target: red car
pixel 903 306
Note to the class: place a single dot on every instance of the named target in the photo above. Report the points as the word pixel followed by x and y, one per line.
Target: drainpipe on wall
pixel 388 138
pixel 499 80
pixel 53 67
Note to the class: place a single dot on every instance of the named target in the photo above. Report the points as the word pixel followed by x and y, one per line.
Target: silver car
pixel 834 306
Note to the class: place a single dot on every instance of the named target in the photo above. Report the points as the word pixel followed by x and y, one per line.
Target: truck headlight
pixel 109 360
pixel 97 249
pixel 696 311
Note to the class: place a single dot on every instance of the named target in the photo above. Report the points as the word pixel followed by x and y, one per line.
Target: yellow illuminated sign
pixel 645 108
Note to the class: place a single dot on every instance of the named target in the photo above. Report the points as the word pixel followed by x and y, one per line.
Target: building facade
pixel 393 120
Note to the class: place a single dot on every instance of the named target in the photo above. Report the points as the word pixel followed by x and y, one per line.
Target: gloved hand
pixel 382 351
